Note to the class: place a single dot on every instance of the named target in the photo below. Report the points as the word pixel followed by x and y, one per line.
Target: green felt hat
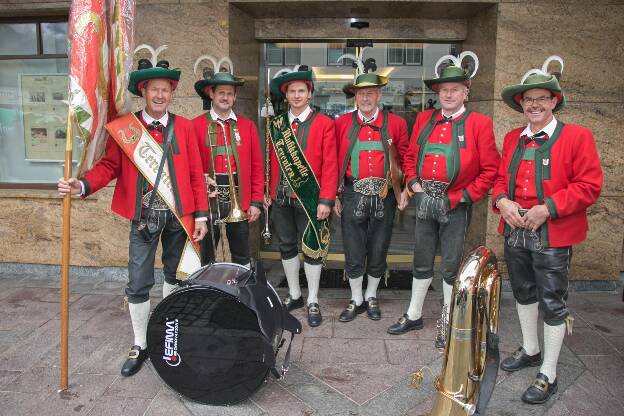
pixel 219 75
pixel 365 81
pixel 454 72
pixel 285 76
pixel 535 78
pixel 152 69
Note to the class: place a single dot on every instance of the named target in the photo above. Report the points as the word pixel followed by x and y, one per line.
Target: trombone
pixel 236 214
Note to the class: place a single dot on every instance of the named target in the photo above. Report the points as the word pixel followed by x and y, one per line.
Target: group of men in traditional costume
pixel 549 175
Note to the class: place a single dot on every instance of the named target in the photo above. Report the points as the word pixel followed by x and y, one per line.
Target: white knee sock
pixel 356 290
pixel 447 290
pixel 371 287
pixel 313 274
pixel 419 291
pixel 139 315
pixel 167 289
pixel 553 339
pixel 527 314
pixel 291 269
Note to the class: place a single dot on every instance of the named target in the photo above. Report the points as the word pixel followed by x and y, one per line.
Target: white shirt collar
pixel 215 116
pixel 301 117
pixel 149 119
pixel 549 129
pixel 370 120
pixel 455 114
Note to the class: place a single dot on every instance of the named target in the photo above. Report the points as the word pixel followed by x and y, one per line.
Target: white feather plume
pixel 452 58
pixel 209 58
pixel 228 61
pixel 358 61
pixel 154 53
pixel 475 59
pixel 544 69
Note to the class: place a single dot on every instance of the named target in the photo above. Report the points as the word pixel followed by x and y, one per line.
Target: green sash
pixel 301 179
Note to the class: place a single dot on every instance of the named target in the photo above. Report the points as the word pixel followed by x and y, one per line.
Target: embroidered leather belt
pixel 157 205
pixel 435 189
pixel 369 186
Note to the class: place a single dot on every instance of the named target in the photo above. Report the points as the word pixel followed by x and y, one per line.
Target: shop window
pixel 282 54
pixel 335 51
pixel 405 54
pixel 33 100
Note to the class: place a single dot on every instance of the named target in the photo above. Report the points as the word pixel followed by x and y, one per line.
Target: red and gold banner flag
pixel 122 14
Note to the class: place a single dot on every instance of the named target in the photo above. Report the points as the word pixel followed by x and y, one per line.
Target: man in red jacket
pixel 303 185
pixel 214 129
pixel 549 175
pixel 367 203
pixel 133 191
pixel 450 164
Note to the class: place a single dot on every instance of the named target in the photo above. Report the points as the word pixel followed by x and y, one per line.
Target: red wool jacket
pixel 249 157
pixel 397 128
pixel 478 157
pixel 189 185
pixel 568 176
pixel 318 142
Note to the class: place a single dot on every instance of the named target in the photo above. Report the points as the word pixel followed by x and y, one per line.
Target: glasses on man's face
pixel 538 100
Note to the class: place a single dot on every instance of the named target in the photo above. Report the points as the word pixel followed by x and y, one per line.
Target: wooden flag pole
pixel 65 250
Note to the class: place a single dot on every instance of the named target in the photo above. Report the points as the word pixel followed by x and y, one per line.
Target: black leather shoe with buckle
pixel 520 359
pixel 372 309
pixel 314 314
pixel 134 362
pixel 405 325
pixel 351 311
pixel 540 391
pixel 292 304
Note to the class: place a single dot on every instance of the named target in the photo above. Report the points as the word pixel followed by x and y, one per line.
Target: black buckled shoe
pixel 351 311
pixel 372 309
pixel 134 362
pixel 314 314
pixel 540 391
pixel 292 304
pixel 405 325
pixel 520 359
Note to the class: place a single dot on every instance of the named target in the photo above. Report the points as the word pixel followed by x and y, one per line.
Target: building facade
pixel 262 37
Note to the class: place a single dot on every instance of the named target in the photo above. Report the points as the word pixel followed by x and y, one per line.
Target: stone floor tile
pixel 121 406
pixel 109 322
pixel 588 396
pixel 417 353
pixel 15 403
pixel 277 401
pixel 343 351
pixel 324 399
pixel 6 379
pixel 107 357
pixel 362 327
pixel 246 408
pixel 615 342
pixel 585 341
pixel 167 403
pixel 609 370
pixel 360 382
pixel 144 384
pixel 90 305
pixel 80 349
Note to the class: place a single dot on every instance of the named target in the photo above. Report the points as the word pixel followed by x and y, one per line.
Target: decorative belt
pixel 223 187
pixel 434 189
pixel 157 205
pixel 369 186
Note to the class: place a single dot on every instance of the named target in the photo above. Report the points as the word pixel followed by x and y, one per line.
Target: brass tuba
pixel 471 357
pixel 236 214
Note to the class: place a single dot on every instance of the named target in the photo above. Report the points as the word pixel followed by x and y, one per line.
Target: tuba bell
pixel 471 357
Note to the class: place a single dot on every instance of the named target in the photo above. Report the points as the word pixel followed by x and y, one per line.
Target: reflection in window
pixel 54 38
pixel 335 51
pixel 18 38
pixel 405 54
pixel 288 54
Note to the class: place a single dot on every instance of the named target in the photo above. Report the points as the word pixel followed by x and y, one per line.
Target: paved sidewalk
pixel 338 369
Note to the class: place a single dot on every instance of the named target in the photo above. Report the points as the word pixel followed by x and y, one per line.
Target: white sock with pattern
pixel 527 314
pixel 371 287
pixel 291 269
pixel 553 340
pixel 139 315
pixel 419 292
pixel 447 290
pixel 356 290
pixel 167 289
pixel 313 274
